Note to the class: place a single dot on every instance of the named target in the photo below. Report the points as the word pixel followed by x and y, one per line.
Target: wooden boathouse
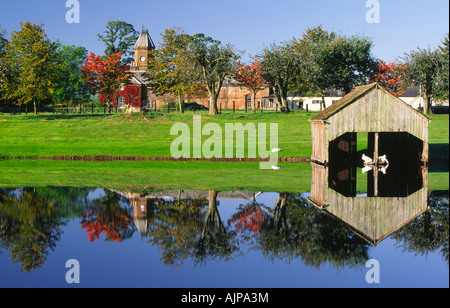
pixel 373 218
pixel 370 109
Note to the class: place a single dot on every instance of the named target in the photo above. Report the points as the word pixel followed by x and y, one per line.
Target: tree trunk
pixel 426 103
pixel 282 100
pixel 213 105
pixel 284 105
pixel 322 105
pixel 180 103
pixel 34 105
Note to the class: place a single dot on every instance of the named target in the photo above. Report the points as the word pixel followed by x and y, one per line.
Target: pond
pixel 218 239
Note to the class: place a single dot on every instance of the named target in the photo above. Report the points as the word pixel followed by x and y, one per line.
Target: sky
pixel 249 25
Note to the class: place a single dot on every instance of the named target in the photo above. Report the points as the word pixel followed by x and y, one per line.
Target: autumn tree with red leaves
pixel 105 75
pixel 106 216
pixel 251 77
pixel 391 76
pixel 250 217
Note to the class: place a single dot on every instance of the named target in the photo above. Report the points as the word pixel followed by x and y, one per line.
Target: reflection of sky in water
pixel 136 263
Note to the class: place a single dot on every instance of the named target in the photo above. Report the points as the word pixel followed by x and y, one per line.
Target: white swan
pixel 383 169
pixel 383 159
pixel 366 169
pixel 367 160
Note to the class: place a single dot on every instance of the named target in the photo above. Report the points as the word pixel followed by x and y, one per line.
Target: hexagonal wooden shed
pixel 369 109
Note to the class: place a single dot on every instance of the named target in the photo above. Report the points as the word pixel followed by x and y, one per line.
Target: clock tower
pixel 141 51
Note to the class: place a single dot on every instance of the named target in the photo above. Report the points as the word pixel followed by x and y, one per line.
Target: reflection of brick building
pixel 232 94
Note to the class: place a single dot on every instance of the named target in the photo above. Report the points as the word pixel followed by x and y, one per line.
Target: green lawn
pixel 137 135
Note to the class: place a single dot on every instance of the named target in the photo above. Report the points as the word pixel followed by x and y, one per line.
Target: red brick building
pixel 232 95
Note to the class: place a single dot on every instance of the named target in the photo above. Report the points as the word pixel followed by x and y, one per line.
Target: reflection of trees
pixel 295 229
pixel 106 215
pixel 31 220
pixel 174 225
pixel 183 228
pixel 251 217
pixel 215 242
pixel 429 232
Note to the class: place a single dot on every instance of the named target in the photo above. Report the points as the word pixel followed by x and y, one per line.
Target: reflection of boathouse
pixel 373 217
pixel 370 109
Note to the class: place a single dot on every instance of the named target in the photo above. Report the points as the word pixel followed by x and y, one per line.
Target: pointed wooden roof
pixel 144 41
pixel 352 97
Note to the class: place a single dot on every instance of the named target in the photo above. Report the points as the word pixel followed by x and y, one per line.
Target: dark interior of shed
pixel 401 176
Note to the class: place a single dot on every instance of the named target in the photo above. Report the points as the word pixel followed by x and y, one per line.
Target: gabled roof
pixel 352 97
pixel 144 41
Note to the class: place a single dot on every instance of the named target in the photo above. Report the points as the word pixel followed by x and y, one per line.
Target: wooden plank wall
pixel 319 148
pixel 376 218
pixel 377 111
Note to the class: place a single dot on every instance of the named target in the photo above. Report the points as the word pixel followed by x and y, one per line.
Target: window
pixel 121 102
pixel 248 101
pixel 316 101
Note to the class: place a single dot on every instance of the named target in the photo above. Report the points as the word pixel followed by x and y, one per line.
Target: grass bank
pixel 132 135
pixel 160 176
pixel 149 136
pixel 139 176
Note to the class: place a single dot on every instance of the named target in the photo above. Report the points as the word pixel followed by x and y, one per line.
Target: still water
pixel 180 239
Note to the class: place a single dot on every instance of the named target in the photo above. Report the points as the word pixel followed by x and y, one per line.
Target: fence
pixel 91 109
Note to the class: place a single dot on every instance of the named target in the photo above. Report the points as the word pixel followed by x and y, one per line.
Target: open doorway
pixel 401 177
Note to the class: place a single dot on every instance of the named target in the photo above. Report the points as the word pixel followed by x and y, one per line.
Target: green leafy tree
pixel 3 41
pixel 212 63
pixel 35 62
pixel 423 67
pixel 442 91
pixel 71 86
pixel 7 71
pixel 330 61
pixel 308 50
pixel 119 37
pixel 349 62
pixel 280 68
pixel 169 69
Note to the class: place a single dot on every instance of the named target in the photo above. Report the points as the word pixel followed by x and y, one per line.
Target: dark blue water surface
pixel 192 239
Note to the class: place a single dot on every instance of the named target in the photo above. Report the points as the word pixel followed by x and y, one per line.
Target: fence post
pixel 234 106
